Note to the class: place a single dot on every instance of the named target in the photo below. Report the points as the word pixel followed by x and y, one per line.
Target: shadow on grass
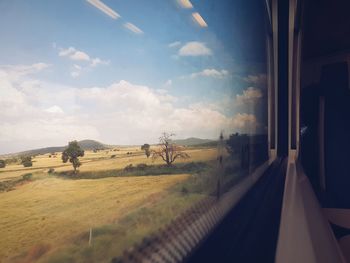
pixel 140 170
pixel 10 185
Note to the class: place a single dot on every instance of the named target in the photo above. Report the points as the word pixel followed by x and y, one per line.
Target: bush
pixel 27 177
pixel 141 166
pixel 129 167
pixel 113 156
pixel 13 160
pixel 51 170
pixel 27 161
pixel 184 190
pixel 2 164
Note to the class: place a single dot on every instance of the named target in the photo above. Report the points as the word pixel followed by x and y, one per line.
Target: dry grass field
pixel 40 220
pixel 99 161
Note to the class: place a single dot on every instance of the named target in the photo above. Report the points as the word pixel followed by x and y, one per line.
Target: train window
pixel 122 119
pixel 325 97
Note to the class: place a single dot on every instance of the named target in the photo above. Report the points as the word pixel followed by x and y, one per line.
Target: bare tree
pixel 167 150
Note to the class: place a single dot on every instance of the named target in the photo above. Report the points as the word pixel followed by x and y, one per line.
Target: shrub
pixel 26 161
pixel 129 167
pixel 13 160
pixel 184 190
pixel 141 166
pixel 51 170
pixel 27 177
pixel 28 164
pixel 113 156
pixel 2 164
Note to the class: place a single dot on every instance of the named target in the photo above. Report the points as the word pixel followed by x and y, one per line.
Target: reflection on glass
pixel 118 117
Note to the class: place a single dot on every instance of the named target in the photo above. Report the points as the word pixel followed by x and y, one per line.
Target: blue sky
pixel 70 66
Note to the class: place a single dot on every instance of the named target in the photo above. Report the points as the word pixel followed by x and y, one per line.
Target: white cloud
pixel 169 82
pixel 74 54
pixel 43 133
pixel 80 56
pixel 121 113
pixel 133 28
pixel 77 67
pixel 75 74
pixel 256 79
pixel 244 123
pixel 16 71
pixel 214 73
pixel 249 96
pixel 54 109
pixel 104 8
pixel 195 48
pixel 174 44
pixel 97 61
pixel 39 66
pixel 27 120
pixel 76 70
pixel 66 52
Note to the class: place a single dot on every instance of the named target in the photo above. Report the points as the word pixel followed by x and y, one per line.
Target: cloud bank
pixel 36 113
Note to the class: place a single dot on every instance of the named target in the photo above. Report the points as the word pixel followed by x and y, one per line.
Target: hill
pixel 192 141
pixel 84 144
pixel 91 145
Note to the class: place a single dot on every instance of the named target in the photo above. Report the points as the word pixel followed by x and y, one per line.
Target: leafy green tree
pixel 2 164
pixel 72 154
pixel 26 161
pixel 147 148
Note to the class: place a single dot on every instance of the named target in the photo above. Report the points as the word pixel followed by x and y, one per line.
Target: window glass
pixel 117 117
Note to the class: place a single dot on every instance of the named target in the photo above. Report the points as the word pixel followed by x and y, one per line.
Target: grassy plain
pixel 48 218
pixel 99 161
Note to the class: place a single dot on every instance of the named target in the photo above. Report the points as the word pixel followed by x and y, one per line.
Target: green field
pixel 48 218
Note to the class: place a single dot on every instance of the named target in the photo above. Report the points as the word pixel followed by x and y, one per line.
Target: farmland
pixel 48 218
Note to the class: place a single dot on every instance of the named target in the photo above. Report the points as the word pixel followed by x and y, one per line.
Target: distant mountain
pixel 84 144
pixel 193 141
pixel 91 145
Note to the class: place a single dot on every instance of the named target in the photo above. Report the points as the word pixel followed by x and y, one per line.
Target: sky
pixel 123 72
